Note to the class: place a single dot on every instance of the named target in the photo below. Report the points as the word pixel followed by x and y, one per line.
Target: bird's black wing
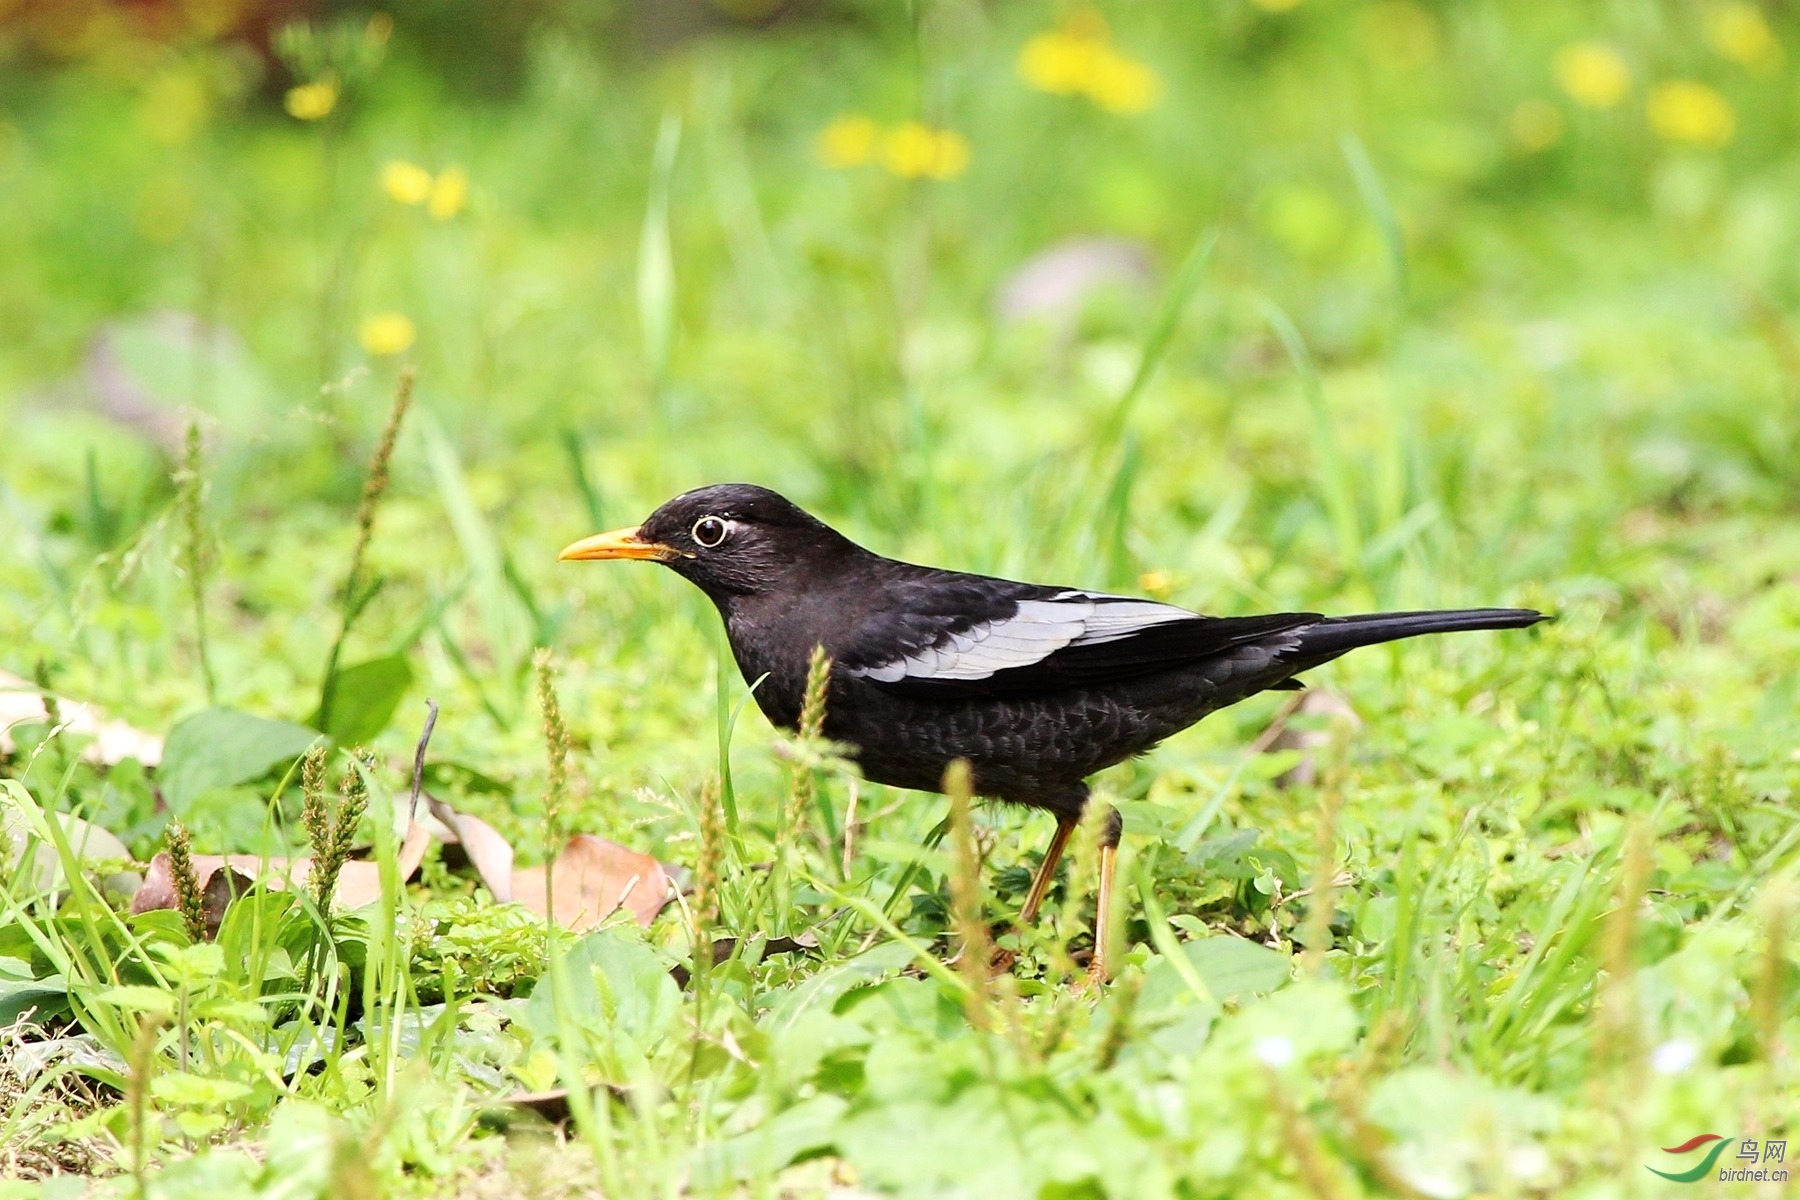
pixel 967 636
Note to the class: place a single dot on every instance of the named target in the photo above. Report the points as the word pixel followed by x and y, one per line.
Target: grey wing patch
pixel 1036 630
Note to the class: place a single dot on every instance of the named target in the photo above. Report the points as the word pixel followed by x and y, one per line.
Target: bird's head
pixel 730 539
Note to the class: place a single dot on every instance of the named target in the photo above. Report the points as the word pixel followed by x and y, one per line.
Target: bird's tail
pixel 1338 635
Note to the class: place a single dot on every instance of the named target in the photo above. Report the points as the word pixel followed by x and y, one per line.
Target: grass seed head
pixel 975 949
pixel 189 897
pixel 556 741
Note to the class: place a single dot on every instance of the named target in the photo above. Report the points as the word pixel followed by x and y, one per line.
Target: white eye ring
pixel 710 532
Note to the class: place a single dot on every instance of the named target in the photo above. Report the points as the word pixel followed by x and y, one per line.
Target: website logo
pixel 1772 1150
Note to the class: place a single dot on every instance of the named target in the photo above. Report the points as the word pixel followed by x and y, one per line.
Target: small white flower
pixel 1528 1161
pixel 1674 1056
pixel 1274 1051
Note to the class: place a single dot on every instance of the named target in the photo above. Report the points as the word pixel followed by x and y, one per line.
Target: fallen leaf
pixel 225 886
pixel 1314 702
pixel 359 880
pixel 593 878
pixel 158 889
pixel 21 703
pixel 723 948
pixel 489 853
pixel 89 842
pixel 552 1104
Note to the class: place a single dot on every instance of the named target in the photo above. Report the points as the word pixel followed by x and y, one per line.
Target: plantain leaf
pixel 364 698
pixel 221 747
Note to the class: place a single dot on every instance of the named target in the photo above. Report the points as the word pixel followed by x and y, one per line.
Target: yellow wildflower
pixel 849 141
pixel 448 194
pixel 1156 583
pixel 1059 63
pixel 1122 85
pixel 311 101
pixel 1535 125
pixel 386 333
pixel 1683 110
pixel 405 182
pixel 1079 59
pixel 1741 33
pixel 1593 74
pixel 914 150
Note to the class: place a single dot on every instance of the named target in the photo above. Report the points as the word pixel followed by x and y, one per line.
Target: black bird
pixel 1036 687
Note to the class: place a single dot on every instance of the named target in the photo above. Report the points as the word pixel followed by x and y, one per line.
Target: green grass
pixel 1389 358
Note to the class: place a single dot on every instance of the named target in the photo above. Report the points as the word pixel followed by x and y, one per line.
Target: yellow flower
pixel 1593 74
pixel 386 333
pixel 406 182
pixel 448 194
pixel 1058 63
pixel 849 141
pixel 1079 59
pixel 914 150
pixel 1685 111
pixel 1741 33
pixel 1535 125
pixel 1157 583
pixel 311 101
pixel 1122 85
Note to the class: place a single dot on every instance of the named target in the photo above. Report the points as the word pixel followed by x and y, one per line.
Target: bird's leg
pixel 1098 966
pixel 1040 883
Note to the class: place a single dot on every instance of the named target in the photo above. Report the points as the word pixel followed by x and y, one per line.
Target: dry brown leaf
pixel 489 853
pixel 359 881
pixel 593 878
pixel 90 843
pixel 225 886
pixel 114 741
pixel 158 890
pixel 1314 702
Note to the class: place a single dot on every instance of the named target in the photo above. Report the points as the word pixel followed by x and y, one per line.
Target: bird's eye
pixel 710 531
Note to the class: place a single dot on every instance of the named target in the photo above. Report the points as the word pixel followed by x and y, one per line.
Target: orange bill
pixel 620 543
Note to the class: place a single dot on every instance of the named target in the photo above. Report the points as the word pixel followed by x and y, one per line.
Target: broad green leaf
pixel 774 1144
pixel 43 998
pixel 1228 966
pixel 247 1011
pixel 619 987
pixel 363 699
pixel 1233 966
pixel 134 997
pixel 179 1087
pixel 221 747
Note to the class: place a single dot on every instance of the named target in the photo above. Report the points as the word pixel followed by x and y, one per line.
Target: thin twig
pixel 418 778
